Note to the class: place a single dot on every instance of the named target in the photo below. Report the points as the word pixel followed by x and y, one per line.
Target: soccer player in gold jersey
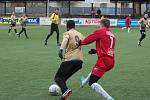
pixel 23 22
pixel 143 24
pixel 73 58
pixel 12 23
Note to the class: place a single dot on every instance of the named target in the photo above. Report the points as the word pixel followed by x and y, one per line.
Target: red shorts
pixel 103 65
pixel 127 25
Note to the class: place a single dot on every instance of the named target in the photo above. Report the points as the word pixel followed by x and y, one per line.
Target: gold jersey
pixel 72 51
pixel 143 23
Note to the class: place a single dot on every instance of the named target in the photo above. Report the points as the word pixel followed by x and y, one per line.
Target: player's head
pixel 13 13
pixel 70 24
pixel 145 15
pixel 56 10
pixel 129 15
pixel 24 15
pixel 104 22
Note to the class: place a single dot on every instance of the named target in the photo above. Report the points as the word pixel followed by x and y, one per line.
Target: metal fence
pixel 39 9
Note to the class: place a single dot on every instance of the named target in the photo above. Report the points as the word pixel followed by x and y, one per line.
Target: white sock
pixel 128 30
pixel 123 27
pixel 98 89
pixel 86 80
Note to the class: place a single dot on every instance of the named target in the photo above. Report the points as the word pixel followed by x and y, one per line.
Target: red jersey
pixel 105 42
pixel 128 21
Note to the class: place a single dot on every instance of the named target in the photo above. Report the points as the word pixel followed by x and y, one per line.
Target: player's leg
pixel 10 27
pixel 84 80
pixel 20 32
pixel 124 27
pixel 51 33
pixel 143 35
pixel 57 31
pixel 15 29
pixel 66 70
pixel 25 32
pixel 97 73
pixel 48 36
pixel 98 88
pixel 128 29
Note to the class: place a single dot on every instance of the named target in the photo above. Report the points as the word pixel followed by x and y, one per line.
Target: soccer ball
pixel 54 90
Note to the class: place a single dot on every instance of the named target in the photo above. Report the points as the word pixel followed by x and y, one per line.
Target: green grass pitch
pixel 27 67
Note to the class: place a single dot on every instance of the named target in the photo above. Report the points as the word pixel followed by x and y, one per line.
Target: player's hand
pixel 92 51
pixel 60 54
pixel 78 43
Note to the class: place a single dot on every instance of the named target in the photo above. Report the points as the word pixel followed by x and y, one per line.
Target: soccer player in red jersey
pixel 128 23
pixel 105 44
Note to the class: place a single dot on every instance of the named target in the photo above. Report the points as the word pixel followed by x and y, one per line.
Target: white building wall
pixel 143 8
pixel 83 4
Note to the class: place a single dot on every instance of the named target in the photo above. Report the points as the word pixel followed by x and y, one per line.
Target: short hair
pixel 70 24
pixel 145 12
pixel 57 9
pixel 105 22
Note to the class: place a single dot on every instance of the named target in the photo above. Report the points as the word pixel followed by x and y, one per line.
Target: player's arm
pixel 141 20
pixel 63 45
pixel 53 18
pixel 20 20
pixel 91 38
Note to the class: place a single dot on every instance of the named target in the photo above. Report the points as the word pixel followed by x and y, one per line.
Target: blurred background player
pixel 73 58
pixel 143 24
pixel 23 22
pixel 128 23
pixel 12 23
pixel 54 26
pixel 105 44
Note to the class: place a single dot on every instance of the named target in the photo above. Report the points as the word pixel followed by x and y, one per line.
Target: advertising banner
pixel 87 21
pixel 91 21
pixel 45 21
pixel 33 21
pixel 7 20
pixel 121 23
pixel 78 21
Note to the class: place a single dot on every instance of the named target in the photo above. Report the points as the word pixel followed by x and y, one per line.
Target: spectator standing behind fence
pixel 93 13
pixel 99 13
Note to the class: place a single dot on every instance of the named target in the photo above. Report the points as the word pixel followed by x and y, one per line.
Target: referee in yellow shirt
pixel 54 26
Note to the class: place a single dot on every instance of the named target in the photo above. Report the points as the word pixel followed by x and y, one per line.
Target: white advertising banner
pixel 87 21
pixel 113 22
pixel 78 21
pixel 91 21
pixel 45 21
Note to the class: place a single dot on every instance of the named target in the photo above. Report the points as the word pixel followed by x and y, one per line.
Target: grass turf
pixel 27 67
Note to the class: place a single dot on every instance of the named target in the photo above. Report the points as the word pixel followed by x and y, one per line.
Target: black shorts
pixel 142 31
pixel 68 68
pixel 54 27
pixel 12 25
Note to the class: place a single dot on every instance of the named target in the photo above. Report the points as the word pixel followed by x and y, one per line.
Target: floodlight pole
pixel 47 8
pixel 5 8
pixel 116 8
pixel 140 9
pixel 69 9
pixel 92 6
pixel 133 6
pixel 25 5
